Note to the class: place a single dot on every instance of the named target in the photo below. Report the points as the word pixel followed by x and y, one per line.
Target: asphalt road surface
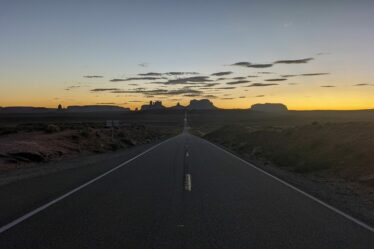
pixel 184 193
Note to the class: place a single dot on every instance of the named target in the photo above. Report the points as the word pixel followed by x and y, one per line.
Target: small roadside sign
pixel 112 123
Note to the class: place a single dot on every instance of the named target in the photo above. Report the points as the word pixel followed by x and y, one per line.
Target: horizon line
pixel 168 107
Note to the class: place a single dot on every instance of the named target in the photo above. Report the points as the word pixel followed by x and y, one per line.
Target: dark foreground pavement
pixel 147 204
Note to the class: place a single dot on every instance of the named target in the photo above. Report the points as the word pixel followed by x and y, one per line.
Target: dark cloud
pixel 289 75
pixel 362 84
pixel 260 96
pixel 292 84
pixel 241 97
pixel 242 64
pixel 152 92
pixel 72 87
pixel 221 73
pixel 260 65
pixel 313 74
pixel 327 86
pixel 92 76
pixel 211 84
pixel 204 88
pixel 192 95
pixel 276 79
pixel 299 61
pixel 238 78
pixel 117 80
pixel 252 76
pixel 143 64
pixel 226 87
pixel 104 89
pixel 168 73
pixel 237 82
pixel 145 78
pixel 227 98
pixel 180 73
pixel 137 78
pixel 323 53
pixel 221 78
pixel 262 84
pixel 106 103
pixel 210 96
pixel 265 72
pixel 188 80
pixel 248 64
pixel 123 91
pixel 150 74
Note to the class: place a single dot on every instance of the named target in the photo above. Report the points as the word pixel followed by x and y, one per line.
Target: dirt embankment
pixel 25 145
pixel 343 150
pixel 333 161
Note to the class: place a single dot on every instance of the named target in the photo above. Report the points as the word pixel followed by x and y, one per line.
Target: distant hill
pixel 269 107
pixel 84 108
pixel 202 104
pixel 96 108
pixel 25 109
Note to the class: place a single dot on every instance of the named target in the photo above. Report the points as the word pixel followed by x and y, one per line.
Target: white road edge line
pixel 45 206
pixel 358 222
pixel 187 182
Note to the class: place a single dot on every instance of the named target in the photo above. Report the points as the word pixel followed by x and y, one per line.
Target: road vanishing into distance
pixel 181 193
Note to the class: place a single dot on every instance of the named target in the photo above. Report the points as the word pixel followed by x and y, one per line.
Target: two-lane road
pixel 186 193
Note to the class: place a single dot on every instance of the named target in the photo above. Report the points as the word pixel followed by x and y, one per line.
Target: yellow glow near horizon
pixel 341 101
pixel 308 95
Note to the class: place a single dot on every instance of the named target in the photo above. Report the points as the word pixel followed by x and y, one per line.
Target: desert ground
pixel 34 140
pixel 326 153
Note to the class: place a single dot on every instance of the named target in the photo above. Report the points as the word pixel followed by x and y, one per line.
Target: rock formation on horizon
pixel 153 105
pixel 202 104
pixel 269 107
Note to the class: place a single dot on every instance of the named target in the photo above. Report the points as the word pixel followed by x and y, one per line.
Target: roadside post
pixel 111 124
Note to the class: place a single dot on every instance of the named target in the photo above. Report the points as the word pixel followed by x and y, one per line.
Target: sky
pixel 306 54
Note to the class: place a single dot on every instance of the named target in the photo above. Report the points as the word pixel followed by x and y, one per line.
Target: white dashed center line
pixel 187 182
